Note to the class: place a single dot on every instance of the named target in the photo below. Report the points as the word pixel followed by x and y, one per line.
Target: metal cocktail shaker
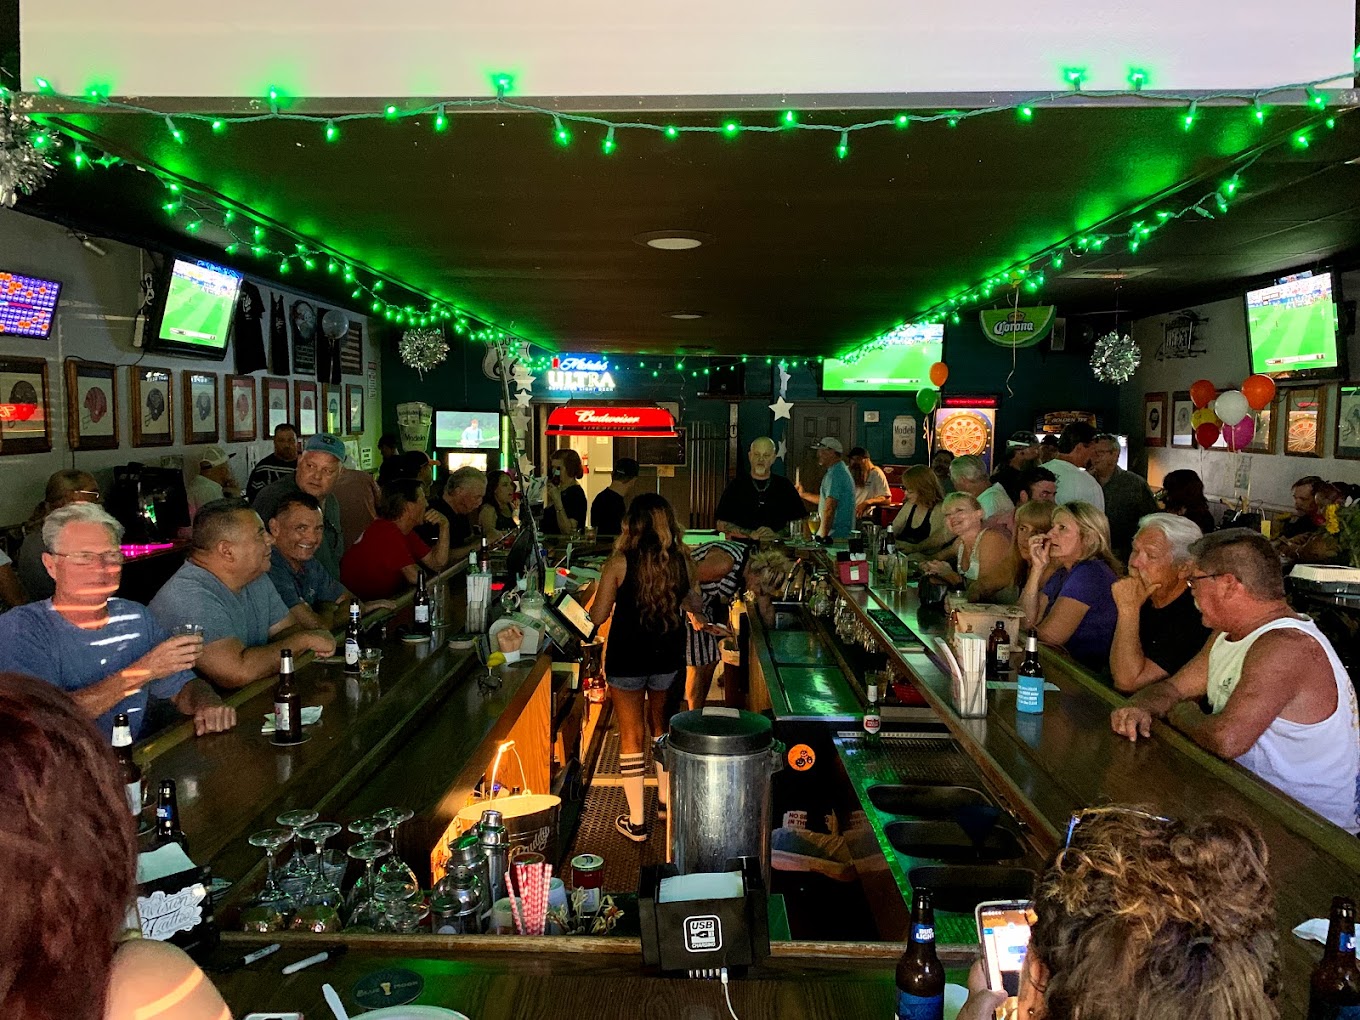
pixel 494 845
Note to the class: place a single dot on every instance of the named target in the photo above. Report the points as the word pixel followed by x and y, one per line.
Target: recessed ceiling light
pixel 686 315
pixel 672 240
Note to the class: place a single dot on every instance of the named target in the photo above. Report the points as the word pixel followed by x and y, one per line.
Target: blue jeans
pixel 650 682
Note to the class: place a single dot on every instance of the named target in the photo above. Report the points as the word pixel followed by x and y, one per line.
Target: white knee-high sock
pixel 632 770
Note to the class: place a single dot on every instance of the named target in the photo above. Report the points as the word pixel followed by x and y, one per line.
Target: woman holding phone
pixel 564 507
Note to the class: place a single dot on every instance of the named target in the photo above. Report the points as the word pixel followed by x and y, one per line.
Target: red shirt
pixel 372 569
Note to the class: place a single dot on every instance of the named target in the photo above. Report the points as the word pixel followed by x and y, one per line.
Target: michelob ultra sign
pixel 1017 327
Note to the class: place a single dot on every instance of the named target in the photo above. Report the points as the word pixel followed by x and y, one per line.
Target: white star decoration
pixel 782 452
pixel 523 379
pixel 783 380
pixel 781 408
pixel 523 397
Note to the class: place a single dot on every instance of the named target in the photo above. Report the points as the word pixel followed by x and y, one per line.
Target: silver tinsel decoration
pixel 1115 358
pixel 422 349
pixel 24 167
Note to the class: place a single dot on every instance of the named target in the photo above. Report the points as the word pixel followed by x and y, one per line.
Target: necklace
pixel 760 488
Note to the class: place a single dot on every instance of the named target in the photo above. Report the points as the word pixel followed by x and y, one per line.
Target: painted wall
pixel 95 322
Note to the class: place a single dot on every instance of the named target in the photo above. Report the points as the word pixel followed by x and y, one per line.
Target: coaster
pixel 395 986
pixel 289 743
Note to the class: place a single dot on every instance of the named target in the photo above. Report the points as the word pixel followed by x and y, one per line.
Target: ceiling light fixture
pixel 685 315
pixel 672 240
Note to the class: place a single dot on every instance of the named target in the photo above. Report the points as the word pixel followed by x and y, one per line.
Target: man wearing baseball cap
pixel 214 479
pixel 318 469
pixel 1021 452
pixel 836 497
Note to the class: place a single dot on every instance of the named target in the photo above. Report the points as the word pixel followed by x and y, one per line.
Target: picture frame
pixel 1182 432
pixel 1348 422
pixel 151 404
pixel 274 405
pixel 307 405
pixel 25 406
pixel 200 408
pixel 333 412
pixel 241 418
pixel 1306 409
pixel 1155 425
pixel 354 409
pixel 91 405
pixel 1263 441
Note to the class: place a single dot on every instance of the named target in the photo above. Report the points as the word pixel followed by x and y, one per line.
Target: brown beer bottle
pixel 920 977
pixel 287 703
pixel 1334 990
pixel 132 772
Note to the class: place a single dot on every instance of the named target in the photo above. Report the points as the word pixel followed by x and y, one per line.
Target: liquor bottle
pixel 352 639
pixel 167 817
pixel 920 977
pixel 1030 696
pixel 998 652
pixel 484 557
pixel 873 722
pixel 421 606
pixel 287 703
pixel 1334 989
pixel 132 772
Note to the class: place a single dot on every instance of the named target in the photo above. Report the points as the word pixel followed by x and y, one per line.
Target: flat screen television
pixel 196 316
pixel 467 430
pixel 28 304
pixel 1292 328
pixel 456 459
pixel 902 366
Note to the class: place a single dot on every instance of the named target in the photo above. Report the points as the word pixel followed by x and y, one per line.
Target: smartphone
pixel 1003 929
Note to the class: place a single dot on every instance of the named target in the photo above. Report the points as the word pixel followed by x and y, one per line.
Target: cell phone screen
pixel 1005 937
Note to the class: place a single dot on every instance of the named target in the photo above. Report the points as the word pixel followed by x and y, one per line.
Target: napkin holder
pixel 177 908
pixel 704 934
pixel 853 570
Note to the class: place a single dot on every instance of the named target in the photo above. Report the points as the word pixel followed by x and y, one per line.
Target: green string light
pixel 902 120
pixel 672 132
pixel 843 149
pixel 1025 113
pixel 441 120
pixel 608 145
pixel 1137 78
pixel 1075 77
pixel 219 126
pixel 790 118
pixel 560 133
pixel 1189 120
pixel 175 132
pixel 731 128
pixel 332 132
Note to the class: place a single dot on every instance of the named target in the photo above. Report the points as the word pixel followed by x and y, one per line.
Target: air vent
pixel 1108 274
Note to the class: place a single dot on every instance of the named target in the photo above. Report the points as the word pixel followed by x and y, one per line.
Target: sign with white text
pixel 580 373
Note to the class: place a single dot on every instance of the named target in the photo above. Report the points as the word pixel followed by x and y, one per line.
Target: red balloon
pixel 1202 391
pixel 1207 435
pixel 939 372
pixel 1259 391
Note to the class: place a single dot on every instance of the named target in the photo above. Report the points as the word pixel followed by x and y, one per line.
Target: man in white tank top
pixel 1283 705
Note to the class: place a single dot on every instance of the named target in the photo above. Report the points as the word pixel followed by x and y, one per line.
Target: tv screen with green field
pixel 1291 326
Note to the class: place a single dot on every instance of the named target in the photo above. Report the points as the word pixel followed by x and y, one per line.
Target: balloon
pixel 1207 435
pixel 1204 416
pixel 1201 392
pixel 927 399
pixel 1231 407
pixel 1241 434
pixel 939 372
pixel 1259 391
pixel 335 324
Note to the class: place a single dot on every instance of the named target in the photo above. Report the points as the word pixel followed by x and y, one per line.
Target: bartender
pixel 760 505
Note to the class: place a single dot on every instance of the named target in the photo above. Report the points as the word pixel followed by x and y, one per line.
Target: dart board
pixel 963 433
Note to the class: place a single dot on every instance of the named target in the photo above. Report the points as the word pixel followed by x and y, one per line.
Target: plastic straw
pixel 516 913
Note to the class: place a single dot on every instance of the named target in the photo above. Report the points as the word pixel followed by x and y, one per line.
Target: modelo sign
pixel 1017 327
pixel 578 373
pixel 578 420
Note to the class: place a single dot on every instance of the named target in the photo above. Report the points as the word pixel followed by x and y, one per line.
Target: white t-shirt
pixel 202 491
pixel 4 559
pixel 875 485
pixel 1075 484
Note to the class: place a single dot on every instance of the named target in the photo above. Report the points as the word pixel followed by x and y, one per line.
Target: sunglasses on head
pixel 1079 816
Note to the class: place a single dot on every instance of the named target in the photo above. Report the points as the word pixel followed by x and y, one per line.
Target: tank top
pixel 971 574
pixel 633 649
pixel 913 533
pixel 1318 764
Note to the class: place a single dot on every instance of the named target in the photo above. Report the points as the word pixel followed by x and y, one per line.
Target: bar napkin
pixel 310 714
pixel 1314 929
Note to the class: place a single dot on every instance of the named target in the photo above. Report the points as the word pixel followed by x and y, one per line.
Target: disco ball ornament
pixel 422 349
pixel 26 156
pixel 1115 358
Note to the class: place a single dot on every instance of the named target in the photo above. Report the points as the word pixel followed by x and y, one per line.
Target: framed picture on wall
pixel 200 408
pixel 25 426
pixel 1263 440
pixel 275 404
pixel 1305 410
pixel 241 409
pixel 1348 423
pixel 332 399
pixel 1182 432
pixel 151 398
pixel 306 402
pixel 1154 419
pixel 91 405
pixel 354 409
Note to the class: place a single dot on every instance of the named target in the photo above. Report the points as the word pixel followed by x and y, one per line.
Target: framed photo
pixel 332 402
pixel 1263 441
pixel 354 409
pixel 200 408
pixel 241 409
pixel 275 405
pixel 1182 432
pixel 308 404
pixel 25 425
pixel 1347 423
pixel 1305 409
pixel 151 393
pixel 1154 419
pixel 91 405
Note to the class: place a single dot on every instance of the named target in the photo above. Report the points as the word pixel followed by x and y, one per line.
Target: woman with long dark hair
pixel 644 590
pixel 497 513
pixel 1183 495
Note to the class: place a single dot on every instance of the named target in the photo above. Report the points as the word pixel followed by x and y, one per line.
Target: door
pixel 810 421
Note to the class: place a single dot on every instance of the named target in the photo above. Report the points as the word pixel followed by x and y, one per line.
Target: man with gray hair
pixel 1127 496
pixel 1158 629
pixel 459 502
pixel 970 475
pixel 760 505
pixel 108 653
pixel 1282 704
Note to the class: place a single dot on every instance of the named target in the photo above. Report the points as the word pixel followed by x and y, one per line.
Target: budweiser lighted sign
pixel 578 373
pixel 582 420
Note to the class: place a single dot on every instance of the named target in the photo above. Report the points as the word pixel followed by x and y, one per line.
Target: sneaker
pixel 637 833
pixel 662 809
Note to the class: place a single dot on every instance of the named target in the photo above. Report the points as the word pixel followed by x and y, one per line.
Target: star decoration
pixel 523 397
pixel 783 380
pixel 782 452
pixel 781 408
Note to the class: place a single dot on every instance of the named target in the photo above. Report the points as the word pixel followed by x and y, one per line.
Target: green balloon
pixel 927 399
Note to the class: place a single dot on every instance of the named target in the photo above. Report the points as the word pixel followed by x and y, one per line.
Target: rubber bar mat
pixel 596 834
pixel 608 762
pixel 913 759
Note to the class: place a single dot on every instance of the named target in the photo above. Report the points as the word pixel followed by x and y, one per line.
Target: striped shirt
pixel 701 648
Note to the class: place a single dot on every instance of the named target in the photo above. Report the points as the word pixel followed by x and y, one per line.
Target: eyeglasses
pixel 87 496
pixel 1084 813
pixel 89 559
pixel 1191 581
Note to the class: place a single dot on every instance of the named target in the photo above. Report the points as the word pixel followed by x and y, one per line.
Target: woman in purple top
pixel 1067 594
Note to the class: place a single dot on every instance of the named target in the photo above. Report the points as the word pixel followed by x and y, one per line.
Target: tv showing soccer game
pixel 1291 327
pixel 196 317
pixel 467 430
pixel 902 366
pixel 27 305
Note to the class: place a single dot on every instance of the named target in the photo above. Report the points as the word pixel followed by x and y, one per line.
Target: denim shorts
pixel 650 682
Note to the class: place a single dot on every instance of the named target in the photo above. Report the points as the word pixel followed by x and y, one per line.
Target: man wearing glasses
pixel 1282 704
pixel 108 653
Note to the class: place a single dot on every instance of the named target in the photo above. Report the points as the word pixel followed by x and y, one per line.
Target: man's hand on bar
pixel 1132 722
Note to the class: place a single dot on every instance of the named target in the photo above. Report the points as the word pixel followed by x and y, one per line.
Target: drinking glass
pixel 272 895
pixel 297 872
pixel 394 869
pixel 364 909
pixel 369 661
pixel 321 891
pixel 402 907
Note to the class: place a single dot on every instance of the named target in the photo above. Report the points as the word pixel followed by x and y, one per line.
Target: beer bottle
pixel 873 721
pixel 287 703
pixel 132 772
pixel 1334 989
pixel 1030 696
pixel 920 977
pixel 484 557
pixel 167 817
pixel 998 652
pixel 421 626
pixel 352 639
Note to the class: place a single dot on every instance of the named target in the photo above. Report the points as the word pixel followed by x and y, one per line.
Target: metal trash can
pixel 721 763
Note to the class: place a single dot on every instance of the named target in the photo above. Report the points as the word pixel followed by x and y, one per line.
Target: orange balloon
pixel 1259 391
pixel 939 372
pixel 1202 392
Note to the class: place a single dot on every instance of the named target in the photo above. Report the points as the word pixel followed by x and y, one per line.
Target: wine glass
pixel 321 891
pixel 272 895
pixel 363 906
pixel 401 907
pixel 295 820
pixel 394 868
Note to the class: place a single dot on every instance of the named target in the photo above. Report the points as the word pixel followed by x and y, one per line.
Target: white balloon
pixel 1231 407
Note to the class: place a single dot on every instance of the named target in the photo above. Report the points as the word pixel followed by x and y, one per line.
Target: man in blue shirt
pixel 108 653
pixel 836 498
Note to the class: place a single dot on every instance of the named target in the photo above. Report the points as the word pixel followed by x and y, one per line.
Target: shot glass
pixel 189 630
pixel 369 661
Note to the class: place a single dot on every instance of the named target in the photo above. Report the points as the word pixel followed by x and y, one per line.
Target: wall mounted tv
pixel 903 366
pixel 196 316
pixel 1292 328
pixel 467 430
pixel 28 304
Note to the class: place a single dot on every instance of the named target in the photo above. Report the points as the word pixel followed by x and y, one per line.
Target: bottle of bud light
pixel 920 977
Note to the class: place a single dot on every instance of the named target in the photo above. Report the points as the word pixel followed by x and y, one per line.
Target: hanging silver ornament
pixel 422 349
pixel 335 324
pixel 25 149
pixel 1115 358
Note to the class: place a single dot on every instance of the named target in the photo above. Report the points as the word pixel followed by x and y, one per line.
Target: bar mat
pixel 814 691
pixel 798 647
